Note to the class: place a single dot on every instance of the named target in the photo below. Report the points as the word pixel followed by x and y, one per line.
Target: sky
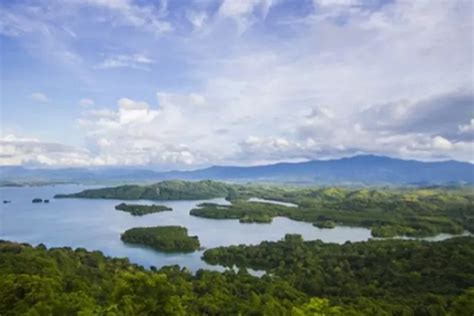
pixel 182 84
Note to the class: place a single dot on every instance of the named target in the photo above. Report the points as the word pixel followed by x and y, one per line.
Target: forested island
pixel 389 277
pixel 166 190
pixel 139 209
pixel 162 238
pixel 245 212
pixel 388 212
pixel 325 224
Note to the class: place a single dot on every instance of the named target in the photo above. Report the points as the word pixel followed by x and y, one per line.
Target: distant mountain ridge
pixel 362 169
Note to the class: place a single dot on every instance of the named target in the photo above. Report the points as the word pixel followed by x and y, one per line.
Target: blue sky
pixel 184 84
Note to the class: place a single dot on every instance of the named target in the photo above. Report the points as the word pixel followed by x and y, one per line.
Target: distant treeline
pixel 166 190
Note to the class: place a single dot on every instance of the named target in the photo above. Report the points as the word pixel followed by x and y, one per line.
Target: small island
pixel 37 200
pixel 245 212
pixel 162 238
pixel 324 224
pixel 139 210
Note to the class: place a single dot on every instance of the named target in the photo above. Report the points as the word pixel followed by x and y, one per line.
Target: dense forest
pixel 139 209
pixel 166 190
pixel 163 238
pixel 401 276
pixel 245 212
pixel 305 278
pixel 387 212
pixel 62 281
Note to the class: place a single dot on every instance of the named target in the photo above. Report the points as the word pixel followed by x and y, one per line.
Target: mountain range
pixel 361 169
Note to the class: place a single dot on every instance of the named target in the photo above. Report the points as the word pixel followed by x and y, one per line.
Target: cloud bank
pixel 342 78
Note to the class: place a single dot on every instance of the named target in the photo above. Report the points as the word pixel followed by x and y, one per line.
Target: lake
pixel 94 224
pixel 272 202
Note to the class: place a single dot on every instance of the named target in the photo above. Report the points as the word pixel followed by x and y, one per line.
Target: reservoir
pixel 94 224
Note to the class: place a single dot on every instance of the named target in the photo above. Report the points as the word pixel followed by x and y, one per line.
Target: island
pixel 387 211
pixel 37 200
pixel 324 224
pixel 245 212
pixel 165 190
pixel 162 238
pixel 139 210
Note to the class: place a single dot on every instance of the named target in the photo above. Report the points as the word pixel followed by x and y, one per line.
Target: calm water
pixel 96 225
pixel 272 202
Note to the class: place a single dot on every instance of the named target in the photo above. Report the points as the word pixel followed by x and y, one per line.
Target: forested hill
pixel 363 169
pixel 166 190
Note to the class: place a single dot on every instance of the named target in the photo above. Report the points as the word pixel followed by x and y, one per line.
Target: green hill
pixel 166 190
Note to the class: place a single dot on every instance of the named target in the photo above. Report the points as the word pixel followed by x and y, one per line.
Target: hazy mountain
pixel 364 169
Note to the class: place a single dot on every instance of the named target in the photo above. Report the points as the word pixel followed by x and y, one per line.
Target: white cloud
pixel 441 143
pixel 351 77
pixel 466 128
pixel 136 61
pixel 86 102
pixel 134 112
pixel 144 17
pixel 39 97
pixel 197 19
pixel 24 151
pixel 138 134
pixel 317 95
pixel 244 13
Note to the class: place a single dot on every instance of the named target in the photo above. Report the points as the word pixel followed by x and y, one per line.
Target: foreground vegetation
pixel 390 277
pixel 139 210
pixel 400 277
pixel 62 281
pixel 163 238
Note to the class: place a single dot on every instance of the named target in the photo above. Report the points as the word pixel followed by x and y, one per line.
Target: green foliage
pixel 67 282
pixel 324 224
pixel 139 210
pixel 390 277
pixel 163 238
pixel 402 276
pixel 246 212
pixel 317 307
pixel 389 213
pixel 463 305
pixel 166 190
